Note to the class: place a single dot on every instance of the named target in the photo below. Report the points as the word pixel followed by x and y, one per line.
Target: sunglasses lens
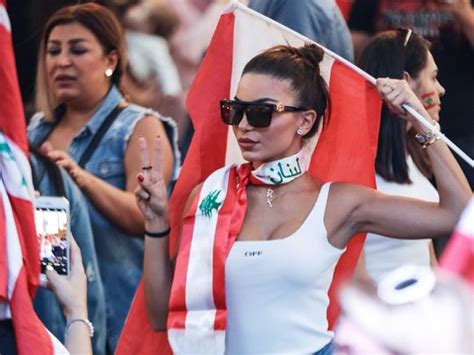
pixel 259 115
pixel 231 112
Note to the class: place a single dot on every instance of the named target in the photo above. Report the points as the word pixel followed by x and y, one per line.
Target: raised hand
pixel 71 291
pixel 396 92
pixel 151 193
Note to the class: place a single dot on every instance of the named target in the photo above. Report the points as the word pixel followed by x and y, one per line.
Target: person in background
pixel 449 26
pixel 50 180
pixel 320 21
pixel 152 78
pixel 402 166
pixel 85 125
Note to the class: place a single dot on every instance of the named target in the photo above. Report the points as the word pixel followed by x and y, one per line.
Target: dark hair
pixel 301 67
pixel 50 168
pixel 105 27
pixel 390 54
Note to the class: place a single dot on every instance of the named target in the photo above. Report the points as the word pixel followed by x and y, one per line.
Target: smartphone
pixel 52 222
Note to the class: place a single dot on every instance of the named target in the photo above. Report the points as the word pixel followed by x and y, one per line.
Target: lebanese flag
pixel 345 150
pixel 19 253
pixel 458 257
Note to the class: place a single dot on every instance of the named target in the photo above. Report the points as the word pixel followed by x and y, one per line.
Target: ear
pixel 411 82
pixel 308 118
pixel 112 59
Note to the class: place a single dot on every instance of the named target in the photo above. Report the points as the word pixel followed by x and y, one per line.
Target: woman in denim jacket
pixel 81 62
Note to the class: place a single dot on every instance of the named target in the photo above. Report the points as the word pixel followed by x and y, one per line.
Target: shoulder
pixel 36 120
pixel 349 193
pixel 36 123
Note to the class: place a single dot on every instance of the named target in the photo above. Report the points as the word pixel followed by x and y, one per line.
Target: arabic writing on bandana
pixel 283 170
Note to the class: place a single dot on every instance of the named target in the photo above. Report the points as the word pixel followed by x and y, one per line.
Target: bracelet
pixel 428 138
pixel 87 322
pixel 158 234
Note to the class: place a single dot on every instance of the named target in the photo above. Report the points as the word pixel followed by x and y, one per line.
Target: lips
pixel 246 142
pixel 64 78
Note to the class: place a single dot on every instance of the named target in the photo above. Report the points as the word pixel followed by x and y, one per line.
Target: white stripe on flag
pixel 14 255
pixel 199 283
pixel 15 169
pixel 4 20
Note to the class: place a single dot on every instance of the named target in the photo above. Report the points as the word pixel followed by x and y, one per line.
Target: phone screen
pixel 51 229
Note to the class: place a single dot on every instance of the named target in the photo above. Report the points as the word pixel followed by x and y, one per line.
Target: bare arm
pixel 158 269
pixel 366 210
pixel 119 205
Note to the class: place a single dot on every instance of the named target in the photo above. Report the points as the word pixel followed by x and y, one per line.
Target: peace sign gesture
pixel 151 193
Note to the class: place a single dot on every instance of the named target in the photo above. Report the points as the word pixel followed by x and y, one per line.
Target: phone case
pixel 52 220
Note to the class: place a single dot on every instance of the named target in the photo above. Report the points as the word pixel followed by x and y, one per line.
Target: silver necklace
pixel 269 196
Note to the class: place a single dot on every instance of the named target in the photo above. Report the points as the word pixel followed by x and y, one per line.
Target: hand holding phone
pixel 53 231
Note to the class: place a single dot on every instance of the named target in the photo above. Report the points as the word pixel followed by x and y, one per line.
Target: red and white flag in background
pixel 458 256
pixel 19 252
pixel 345 150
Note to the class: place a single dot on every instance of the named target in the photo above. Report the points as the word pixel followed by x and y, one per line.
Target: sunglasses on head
pixel 258 115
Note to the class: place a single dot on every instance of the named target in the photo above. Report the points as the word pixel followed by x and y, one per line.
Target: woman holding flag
pixel 259 241
pixel 402 165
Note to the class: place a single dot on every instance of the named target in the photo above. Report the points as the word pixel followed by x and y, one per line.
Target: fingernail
pixel 140 178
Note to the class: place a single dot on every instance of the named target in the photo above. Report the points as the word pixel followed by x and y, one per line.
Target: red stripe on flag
pixel 458 257
pixel 220 251
pixel 177 317
pixel 31 335
pixel 11 108
pixel 23 212
pixel 210 135
pixel 346 152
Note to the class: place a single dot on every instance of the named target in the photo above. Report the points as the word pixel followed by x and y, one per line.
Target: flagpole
pixel 234 4
pixel 445 139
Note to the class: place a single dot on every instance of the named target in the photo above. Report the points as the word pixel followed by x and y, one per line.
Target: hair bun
pixel 312 53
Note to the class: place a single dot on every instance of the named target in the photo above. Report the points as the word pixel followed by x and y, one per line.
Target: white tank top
pixel 382 254
pixel 277 290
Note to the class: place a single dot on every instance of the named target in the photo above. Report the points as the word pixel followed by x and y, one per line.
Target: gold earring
pixel 109 72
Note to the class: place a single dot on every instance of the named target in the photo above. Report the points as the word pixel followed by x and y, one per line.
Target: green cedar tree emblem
pixel 210 203
pixel 429 101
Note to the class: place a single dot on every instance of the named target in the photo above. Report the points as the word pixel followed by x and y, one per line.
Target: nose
pixel 441 89
pixel 244 125
pixel 63 59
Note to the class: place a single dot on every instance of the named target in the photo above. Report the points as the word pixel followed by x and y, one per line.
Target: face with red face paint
pixel 428 89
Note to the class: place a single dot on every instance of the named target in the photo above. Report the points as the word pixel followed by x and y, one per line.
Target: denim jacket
pixel 45 303
pixel 120 255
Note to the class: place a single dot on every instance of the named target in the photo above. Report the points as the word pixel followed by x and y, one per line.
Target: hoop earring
pixel 299 132
pixel 109 72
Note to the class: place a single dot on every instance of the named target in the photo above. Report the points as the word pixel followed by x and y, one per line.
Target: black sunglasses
pixel 258 115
